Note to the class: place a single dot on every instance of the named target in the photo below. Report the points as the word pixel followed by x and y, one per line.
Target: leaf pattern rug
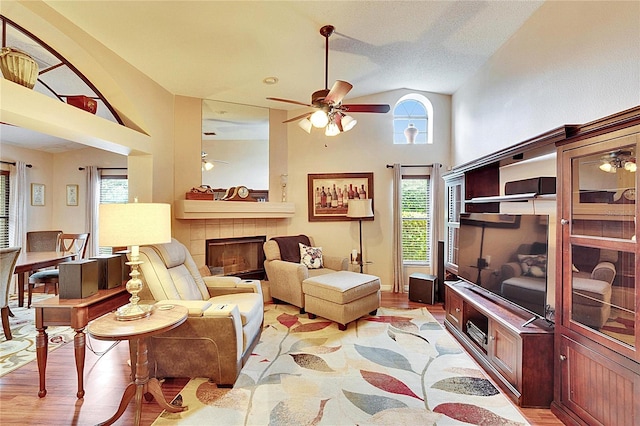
pixel 398 367
pixel 21 349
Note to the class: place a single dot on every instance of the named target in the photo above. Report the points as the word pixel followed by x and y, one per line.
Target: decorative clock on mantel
pixel 238 193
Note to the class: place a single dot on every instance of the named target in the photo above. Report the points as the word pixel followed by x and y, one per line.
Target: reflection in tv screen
pixel 506 255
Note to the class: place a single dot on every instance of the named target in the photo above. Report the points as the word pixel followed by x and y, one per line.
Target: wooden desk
pixel 109 328
pixel 34 260
pixel 76 313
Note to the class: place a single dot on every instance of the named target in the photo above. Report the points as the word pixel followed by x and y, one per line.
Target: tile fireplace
pixel 238 256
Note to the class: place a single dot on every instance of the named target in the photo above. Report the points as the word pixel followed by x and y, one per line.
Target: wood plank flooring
pixel 106 377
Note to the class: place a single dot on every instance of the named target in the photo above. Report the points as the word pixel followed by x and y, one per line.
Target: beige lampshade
pixel 134 224
pixel 359 208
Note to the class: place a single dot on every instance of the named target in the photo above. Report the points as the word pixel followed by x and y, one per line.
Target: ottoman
pixel 341 296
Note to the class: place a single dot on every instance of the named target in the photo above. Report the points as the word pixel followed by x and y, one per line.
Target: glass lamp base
pixel 130 312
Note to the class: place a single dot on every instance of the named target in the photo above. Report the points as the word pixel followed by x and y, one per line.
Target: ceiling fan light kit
pixel 331 114
pixel 619 160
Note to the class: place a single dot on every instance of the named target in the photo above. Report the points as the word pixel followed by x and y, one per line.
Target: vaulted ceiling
pixel 224 50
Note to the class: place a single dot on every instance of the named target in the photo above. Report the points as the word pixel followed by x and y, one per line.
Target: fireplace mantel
pixel 202 209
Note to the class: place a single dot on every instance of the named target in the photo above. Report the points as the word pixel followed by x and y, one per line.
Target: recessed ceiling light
pixel 270 80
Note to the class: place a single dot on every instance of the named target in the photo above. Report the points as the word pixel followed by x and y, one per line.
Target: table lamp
pixel 360 209
pixel 133 225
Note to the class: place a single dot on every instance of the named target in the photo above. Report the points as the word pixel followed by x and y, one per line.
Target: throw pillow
pixel 533 265
pixel 311 257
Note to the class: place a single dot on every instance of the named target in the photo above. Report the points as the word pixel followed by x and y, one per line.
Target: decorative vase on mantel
pixel 410 133
pixel 18 67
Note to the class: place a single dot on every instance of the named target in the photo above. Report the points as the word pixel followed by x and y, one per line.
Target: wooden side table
pixel 109 328
pixel 75 313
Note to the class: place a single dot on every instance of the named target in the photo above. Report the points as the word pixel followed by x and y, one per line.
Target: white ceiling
pixel 223 50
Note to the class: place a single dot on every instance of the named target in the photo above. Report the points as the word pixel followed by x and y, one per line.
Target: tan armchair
pixel 285 277
pixel 225 317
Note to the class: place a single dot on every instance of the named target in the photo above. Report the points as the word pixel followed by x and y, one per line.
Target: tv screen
pixel 506 255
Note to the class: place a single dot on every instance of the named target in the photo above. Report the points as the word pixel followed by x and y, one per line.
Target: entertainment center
pixel 518 357
pixel 571 345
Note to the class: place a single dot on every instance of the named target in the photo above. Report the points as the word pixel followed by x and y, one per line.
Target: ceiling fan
pixel 330 112
pixel 208 164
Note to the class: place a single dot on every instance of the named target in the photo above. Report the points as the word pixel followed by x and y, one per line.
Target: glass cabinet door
pixel 454 191
pixel 600 257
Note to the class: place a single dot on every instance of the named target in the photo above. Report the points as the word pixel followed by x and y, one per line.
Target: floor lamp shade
pixel 360 208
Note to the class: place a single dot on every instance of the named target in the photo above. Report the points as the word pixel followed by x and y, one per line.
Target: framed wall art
pixel 329 194
pixel 72 195
pixel 37 194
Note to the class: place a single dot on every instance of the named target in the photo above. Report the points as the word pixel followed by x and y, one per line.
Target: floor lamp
pixel 360 209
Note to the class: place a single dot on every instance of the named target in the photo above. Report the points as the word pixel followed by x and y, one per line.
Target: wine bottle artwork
pixel 330 194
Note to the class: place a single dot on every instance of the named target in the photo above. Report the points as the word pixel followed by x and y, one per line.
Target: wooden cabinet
pixel 519 358
pixel 453 310
pixel 597 360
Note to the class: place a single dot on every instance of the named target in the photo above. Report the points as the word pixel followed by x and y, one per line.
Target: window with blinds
pixel 114 188
pixel 4 208
pixel 416 236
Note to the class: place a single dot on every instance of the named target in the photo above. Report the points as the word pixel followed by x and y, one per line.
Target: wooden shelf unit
pixel 519 358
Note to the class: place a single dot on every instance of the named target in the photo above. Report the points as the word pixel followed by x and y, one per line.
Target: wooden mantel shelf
pixel 202 209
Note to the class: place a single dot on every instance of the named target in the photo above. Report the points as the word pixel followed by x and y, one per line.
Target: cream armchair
pixel 225 317
pixel 285 277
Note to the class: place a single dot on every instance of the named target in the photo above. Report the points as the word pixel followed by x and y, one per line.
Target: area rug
pixel 398 367
pixel 21 349
pixel 620 325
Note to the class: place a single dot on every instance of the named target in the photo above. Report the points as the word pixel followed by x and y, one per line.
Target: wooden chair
pixel 42 240
pixel 67 243
pixel 8 258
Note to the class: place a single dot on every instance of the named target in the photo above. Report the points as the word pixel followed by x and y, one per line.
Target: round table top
pixel 108 327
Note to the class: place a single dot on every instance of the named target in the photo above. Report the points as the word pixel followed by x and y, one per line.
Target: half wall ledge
pixel 203 209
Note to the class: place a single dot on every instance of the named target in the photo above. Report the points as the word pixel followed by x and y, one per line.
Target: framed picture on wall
pixel 329 194
pixel 72 195
pixel 37 194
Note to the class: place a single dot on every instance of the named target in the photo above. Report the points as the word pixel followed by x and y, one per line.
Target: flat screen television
pixel 506 255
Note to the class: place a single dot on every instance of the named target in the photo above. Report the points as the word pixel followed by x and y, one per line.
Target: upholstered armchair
pixel 224 323
pixel 285 271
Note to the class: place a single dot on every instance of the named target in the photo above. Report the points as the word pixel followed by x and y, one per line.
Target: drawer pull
pixel 457 309
pixel 492 337
pixel 563 357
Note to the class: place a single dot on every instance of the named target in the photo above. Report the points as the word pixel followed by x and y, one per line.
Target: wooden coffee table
pixel 160 321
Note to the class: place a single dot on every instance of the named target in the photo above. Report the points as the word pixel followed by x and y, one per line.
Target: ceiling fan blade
pixel 289 101
pixel 338 92
pixel 381 108
pixel 305 115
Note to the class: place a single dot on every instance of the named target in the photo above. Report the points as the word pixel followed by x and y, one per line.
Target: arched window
pixel 412 120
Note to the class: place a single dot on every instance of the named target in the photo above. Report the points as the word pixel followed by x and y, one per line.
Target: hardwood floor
pixel 105 379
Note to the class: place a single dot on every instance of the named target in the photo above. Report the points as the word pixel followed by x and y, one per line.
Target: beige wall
pixel 368 147
pixel 57 171
pixel 570 63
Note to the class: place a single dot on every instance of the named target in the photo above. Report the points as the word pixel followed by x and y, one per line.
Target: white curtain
pixel 398 267
pixel 436 214
pixel 91 212
pixel 19 194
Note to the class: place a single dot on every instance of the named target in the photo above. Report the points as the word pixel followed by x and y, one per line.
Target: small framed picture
pixel 37 194
pixel 72 195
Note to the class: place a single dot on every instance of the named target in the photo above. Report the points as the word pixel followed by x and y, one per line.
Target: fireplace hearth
pixel 239 256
